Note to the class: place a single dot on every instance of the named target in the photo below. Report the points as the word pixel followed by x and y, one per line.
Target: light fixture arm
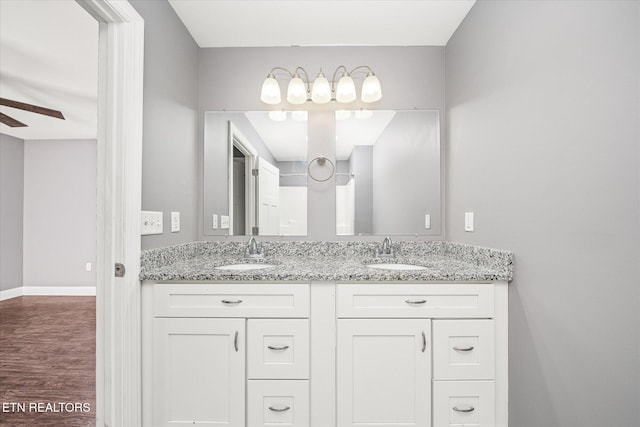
pixel 292 74
pixel 347 72
pixel 306 76
pixel 335 73
pixel 289 73
pixel 361 66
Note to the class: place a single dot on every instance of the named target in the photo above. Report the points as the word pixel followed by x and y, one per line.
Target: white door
pixel 268 199
pixel 384 372
pixel 198 372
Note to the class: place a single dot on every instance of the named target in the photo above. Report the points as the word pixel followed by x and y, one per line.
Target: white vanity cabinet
pixel 421 355
pixel 225 354
pixel 384 372
pixel 325 354
pixel 198 372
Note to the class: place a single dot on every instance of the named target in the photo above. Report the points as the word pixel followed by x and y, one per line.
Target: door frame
pixel 119 187
pixel 236 139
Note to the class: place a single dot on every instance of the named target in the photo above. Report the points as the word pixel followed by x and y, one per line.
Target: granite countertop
pixel 329 261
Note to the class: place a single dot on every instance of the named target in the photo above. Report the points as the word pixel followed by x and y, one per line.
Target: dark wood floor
pixel 47 356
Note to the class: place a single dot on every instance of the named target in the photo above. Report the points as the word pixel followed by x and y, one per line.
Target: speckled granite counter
pixel 329 261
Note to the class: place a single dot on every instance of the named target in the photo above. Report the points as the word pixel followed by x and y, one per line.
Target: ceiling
pixel 49 57
pixel 250 23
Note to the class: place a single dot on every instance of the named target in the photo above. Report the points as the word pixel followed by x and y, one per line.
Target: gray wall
pixel 231 78
pixel 543 117
pixel 11 211
pixel 406 178
pixel 215 155
pixel 170 122
pixel 59 212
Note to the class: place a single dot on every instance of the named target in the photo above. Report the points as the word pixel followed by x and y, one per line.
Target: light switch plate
pixel 468 221
pixel 175 222
pixel 88 266
pixel 214 222
pixel 150 223
pixel 224 221
pixel 427 221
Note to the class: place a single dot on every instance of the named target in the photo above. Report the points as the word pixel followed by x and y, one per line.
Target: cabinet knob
pixel 286 408
pixel 424 341
pixel 463 348
pixel 235 342
pixel 469 409
pixel 230 302
pixel 417 302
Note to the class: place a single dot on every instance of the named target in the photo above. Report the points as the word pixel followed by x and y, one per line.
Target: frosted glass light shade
pixel 321 90
pixel 270 91
pixel 296 91
pixel 346 90
pixel 371 89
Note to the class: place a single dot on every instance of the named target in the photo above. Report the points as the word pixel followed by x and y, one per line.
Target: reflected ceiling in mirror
pixel 388 172
pixel 254 173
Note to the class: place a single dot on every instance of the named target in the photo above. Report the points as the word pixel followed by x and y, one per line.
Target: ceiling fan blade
pixel 32 108
pixel 10 122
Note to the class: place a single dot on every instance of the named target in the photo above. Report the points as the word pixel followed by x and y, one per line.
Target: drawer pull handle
pixel 235 342
pixel 424 342
pixel 469 409
pixel 422 301
pixel 284 347
pixel 286 408
pixel 463 348
pixel 229 302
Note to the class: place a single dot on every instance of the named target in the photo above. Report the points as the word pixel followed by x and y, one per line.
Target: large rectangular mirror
pixel 388 173
pixel 254 173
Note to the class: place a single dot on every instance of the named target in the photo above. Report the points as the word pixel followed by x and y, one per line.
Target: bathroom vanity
pixel 323 338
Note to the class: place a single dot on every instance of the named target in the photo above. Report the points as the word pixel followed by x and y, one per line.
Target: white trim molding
pixel 120 89
pixel 11 293
pixel 53 291
pixel 59 290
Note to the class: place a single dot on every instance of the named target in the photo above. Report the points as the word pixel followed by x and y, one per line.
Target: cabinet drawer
pixel 278 402
pixel 231 300
pixel 463 350
pixel 278 349
pixel 418 300
pixel 464 403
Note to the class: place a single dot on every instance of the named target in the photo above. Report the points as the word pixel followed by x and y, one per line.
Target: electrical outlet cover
pixel 175 222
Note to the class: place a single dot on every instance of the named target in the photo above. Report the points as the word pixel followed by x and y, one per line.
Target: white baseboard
pixel 11 293
pixel 48 291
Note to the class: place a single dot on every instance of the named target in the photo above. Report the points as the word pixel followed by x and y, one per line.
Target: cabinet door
pixel 198 372
pixel 384 372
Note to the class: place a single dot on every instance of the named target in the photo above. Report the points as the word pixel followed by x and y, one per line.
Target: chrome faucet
pixel 254 250
pixel 386 249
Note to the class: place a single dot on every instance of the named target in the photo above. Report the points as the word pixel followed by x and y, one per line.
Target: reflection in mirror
pixel 254 173
pixel 388 172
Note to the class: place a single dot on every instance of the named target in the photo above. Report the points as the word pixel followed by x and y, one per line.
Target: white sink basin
pixel 242 267
pixel 390 266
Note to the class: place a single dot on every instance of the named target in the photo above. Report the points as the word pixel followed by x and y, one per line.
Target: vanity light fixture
pixel 322 91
